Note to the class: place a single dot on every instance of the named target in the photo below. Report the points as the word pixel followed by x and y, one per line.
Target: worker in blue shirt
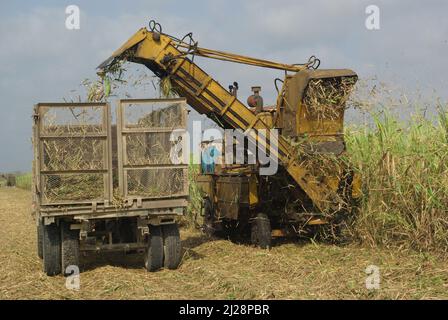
pixel 208 158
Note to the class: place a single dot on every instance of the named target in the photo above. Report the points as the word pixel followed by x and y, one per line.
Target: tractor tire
pixel 172 249
pixel 51 249
pixel 69 248
pixel 40 239
pixel 154 252
pixel 261 231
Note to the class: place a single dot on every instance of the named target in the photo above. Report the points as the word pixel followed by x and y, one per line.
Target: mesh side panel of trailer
pixel 73 187
pixel 160 114
pixel 148 148
pixel 72 120
pixel 156 182
pixel 153 142
pixel 74 153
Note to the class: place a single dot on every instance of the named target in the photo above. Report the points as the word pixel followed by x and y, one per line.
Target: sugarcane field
pixel 161 151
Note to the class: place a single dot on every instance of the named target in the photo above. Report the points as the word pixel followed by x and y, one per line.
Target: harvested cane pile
pixel 73 154
pixel 73 187
pixel 156 182
pixel 148 148
pixel 325 99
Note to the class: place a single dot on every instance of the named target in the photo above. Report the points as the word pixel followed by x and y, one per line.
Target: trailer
pixel 103 186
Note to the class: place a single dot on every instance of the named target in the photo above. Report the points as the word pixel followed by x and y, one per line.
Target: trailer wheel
pixel 261 231
pixel 69 247
pixel 154 252
pixel 172 249
pixel 40 239
pixel 51 249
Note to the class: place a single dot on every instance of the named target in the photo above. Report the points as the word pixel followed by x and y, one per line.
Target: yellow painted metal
pixel 232 57
pixel 267 118
pixel 357 186
pixel 277 233
pixel 253 190
pixel 135 39
pixel 296 118
pixel 207 96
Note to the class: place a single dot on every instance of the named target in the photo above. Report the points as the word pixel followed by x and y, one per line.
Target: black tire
pixel 172 249
pixel 40 239
pixel 69 248
pixel 261 231
pixel 154 252
pixel 51 249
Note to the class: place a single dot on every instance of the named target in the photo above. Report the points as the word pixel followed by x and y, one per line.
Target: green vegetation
pixel 405 175
pixel 23 181
pixel 404 168
pixel 194 208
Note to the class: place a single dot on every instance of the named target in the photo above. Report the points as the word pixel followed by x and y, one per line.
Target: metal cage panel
pixel 74 152
pixel 151 143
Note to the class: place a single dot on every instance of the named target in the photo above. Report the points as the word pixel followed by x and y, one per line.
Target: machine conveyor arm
pixel 163 56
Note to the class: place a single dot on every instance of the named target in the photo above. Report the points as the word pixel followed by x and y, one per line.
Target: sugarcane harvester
pixel 314 184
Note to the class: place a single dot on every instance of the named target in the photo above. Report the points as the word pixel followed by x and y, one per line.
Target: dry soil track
pixel 215 269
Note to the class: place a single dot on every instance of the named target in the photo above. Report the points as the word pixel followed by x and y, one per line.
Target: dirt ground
pixel 216 269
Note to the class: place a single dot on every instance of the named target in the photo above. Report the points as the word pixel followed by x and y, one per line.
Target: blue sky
pixel 43 61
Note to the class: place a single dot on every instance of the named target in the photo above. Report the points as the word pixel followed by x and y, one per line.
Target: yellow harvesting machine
pixel 314 185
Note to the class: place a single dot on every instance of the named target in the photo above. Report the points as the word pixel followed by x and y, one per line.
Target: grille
pixel 156 182
pixel 74 153
pixel 152 136
pixel 73 187
pixel 148 148
pixel 154 114
pixel 72 120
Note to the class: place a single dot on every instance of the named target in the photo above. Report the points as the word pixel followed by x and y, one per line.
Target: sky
pixel 41 60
